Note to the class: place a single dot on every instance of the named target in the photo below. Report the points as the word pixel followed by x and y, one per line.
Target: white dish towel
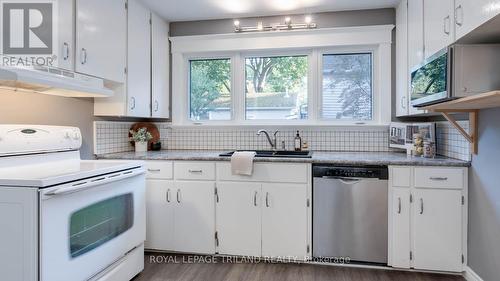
pixel 242 163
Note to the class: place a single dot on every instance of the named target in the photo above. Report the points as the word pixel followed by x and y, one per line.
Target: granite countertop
pixel 318 157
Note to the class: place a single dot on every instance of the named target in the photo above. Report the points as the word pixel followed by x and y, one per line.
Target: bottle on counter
pixel 298 142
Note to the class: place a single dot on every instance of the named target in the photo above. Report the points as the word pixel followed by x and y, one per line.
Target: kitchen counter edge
pixel 318 157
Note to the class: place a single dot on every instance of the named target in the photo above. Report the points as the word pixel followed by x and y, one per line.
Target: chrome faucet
pixel 272 142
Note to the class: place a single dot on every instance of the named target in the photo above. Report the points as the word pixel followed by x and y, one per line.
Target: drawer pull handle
pixel 421 206
pixel 399 205
pixel 196 171
pixel 439 178
pixel 154 170
pixel 168 195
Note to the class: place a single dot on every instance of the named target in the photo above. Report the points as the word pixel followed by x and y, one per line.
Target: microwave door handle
pixel 83 185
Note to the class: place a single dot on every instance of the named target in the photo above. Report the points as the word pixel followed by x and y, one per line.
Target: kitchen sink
pixel 271 153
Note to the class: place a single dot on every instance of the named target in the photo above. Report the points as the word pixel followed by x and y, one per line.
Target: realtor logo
pixel 27 28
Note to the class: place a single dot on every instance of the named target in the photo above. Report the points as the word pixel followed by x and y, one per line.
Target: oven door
pixel 87 225
pixel 430 83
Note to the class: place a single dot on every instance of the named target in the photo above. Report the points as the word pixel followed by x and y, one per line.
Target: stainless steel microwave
pixel 454 72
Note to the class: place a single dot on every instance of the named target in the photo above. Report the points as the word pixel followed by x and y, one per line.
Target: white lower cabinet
pixel 194 221
pixel 180 214
pixel 284 220
pixel 428 219
pixel 239 218
pixel 260 216
pixel 160 208
pixel 200 207
pixel 400 231
pixel 437 229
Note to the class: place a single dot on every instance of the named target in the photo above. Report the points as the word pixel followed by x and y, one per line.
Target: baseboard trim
pixel 470 275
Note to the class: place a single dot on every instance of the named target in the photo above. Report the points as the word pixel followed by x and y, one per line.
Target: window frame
pixel 215 56
pixel 309 53
pixel 372 50
pixel 363 39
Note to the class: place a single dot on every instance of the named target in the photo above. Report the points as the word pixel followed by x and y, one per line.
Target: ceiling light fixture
pixel 288 25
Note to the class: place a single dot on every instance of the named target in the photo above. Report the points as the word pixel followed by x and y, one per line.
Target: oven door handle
pixel 93 182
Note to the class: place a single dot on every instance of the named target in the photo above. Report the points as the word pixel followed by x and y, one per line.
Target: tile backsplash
pixel 451 143
pixel 324 139
pixel 112 137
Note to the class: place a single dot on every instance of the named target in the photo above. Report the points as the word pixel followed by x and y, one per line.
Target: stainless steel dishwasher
pixel 350 213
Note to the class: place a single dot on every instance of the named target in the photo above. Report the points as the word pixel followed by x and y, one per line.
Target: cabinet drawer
pixel 194 170
pixel 439 178
pixel 161 170
pixel 267 172
pixel 401 176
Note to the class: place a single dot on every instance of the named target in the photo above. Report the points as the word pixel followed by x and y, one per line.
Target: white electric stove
pixel 64 218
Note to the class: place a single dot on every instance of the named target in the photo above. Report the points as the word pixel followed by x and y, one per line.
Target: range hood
pixel 52 81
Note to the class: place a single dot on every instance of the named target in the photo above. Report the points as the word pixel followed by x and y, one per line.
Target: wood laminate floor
pixel 161 267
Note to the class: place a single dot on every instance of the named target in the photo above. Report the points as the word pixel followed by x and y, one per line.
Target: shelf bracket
pixel 471 137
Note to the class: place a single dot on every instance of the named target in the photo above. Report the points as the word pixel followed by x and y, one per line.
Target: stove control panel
pixel 26 139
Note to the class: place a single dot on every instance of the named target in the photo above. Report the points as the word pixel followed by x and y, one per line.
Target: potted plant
pixel 141 138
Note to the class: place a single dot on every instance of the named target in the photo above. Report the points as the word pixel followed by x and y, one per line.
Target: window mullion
pixel 238 90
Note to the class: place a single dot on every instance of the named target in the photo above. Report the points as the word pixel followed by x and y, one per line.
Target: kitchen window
pixel 210 89
pixel 347 87
pixel 276 88
pixel 315 77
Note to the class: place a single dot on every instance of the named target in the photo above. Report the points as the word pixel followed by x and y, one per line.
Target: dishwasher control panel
pixel 379 172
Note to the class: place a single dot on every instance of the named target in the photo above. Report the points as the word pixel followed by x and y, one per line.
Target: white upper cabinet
pixel 101 30
pixel 402 74
pixel 470 14
pixel 66 33
pixel 160 97
pixel 438 25
pixel 138 60
pixel 415 33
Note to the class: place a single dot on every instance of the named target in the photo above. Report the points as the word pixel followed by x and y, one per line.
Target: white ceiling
pixel 188 10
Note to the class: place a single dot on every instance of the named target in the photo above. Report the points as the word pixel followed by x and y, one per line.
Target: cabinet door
pixel 437 229
pixel 139 60
pixel 415 43
pixel 470 14
pixel 284 220
pixel 402 59
pixel 399 230
pixel 438 25
pixel 160 203
pixel 160 78
pixel 239 218
pixel 415 33
pixel 101 28
pixel 194 217
pixel 66 32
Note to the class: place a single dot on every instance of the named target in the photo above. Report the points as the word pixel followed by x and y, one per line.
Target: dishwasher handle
pixel 344 180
